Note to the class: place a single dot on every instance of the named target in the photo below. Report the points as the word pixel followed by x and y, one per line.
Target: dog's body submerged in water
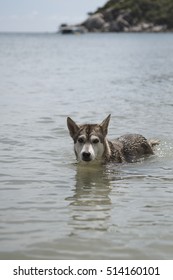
pixel 91 144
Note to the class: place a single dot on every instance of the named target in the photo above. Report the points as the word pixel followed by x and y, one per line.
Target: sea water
pixel 52 208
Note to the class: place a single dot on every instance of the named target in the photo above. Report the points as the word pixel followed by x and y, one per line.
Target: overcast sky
pixel 43 15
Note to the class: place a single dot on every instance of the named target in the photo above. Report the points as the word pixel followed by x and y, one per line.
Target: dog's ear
pixel 72 126
pixel 104 125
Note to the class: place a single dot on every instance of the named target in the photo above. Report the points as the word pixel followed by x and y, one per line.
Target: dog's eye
pixel 95 141
pixel 81 140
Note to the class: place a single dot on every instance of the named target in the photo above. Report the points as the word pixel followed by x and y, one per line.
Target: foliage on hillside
pixel 155 11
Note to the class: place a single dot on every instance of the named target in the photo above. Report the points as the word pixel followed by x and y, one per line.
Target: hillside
pixel 132 16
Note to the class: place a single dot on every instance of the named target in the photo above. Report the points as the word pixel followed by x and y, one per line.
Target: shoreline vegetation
pixel 127 16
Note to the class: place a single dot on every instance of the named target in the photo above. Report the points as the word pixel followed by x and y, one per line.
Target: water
pixel 51 208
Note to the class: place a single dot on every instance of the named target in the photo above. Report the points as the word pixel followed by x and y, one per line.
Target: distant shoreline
pixel 130 16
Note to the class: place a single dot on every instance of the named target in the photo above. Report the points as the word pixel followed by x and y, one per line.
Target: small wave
pixel 165 149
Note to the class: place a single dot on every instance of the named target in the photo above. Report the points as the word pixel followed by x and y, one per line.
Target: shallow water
pixel 52 208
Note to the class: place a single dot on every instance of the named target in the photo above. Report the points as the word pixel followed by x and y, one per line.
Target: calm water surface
pixel 51 208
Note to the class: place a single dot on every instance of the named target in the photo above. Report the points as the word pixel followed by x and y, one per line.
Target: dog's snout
pixel 86 156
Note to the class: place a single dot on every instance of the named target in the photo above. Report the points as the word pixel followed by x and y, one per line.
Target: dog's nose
pixel 86 156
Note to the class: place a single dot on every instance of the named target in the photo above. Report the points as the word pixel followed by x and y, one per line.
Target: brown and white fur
pixel 91 144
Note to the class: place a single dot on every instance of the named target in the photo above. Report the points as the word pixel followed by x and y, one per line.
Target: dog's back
pixel 131 147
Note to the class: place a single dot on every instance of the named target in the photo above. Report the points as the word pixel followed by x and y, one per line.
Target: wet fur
pixel 127 148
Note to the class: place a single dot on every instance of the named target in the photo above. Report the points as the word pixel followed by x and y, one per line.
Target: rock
pixel 94 23
pixel 122 22
pixel 136 28
pixel 146 26
pixel 106 27
pixel 115 27
pixel 159 28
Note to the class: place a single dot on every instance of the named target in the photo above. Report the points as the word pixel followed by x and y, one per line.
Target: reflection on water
pixel 90 204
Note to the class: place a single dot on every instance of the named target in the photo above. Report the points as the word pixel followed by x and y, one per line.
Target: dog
pixel 91 144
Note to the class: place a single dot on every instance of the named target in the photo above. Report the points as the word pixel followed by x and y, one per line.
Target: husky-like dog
pixel 91 144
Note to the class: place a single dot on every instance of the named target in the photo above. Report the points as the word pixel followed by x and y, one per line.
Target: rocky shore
pixel 105 22
pixel 131 16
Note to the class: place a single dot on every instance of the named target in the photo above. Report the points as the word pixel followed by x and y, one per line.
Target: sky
pixel 43 15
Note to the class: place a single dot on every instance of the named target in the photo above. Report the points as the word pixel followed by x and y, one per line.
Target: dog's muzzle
pixel 86 156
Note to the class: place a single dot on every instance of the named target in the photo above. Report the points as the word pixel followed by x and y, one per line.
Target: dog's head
pixel 88 139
